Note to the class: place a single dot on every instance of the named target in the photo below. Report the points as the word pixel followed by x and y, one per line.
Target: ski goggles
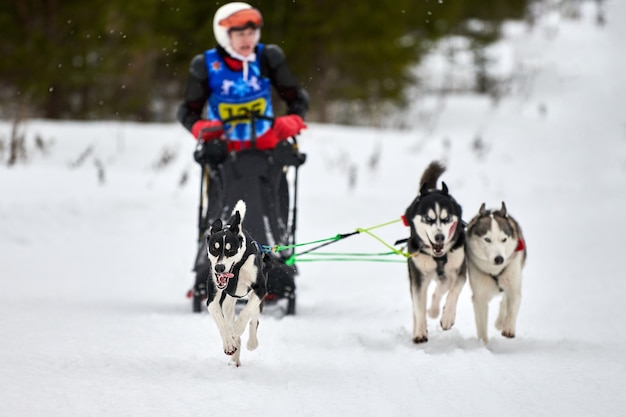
pixel 243 19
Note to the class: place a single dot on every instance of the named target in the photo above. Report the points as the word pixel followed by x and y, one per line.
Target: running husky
pixel 436 245
pixel 496 254
pixel 236 270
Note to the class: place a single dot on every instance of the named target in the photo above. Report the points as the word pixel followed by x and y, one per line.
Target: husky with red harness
pixel 496 253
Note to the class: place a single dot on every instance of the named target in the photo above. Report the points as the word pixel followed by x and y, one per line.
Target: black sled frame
pixel 259 177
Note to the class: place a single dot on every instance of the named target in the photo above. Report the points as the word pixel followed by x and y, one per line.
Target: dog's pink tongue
pixel 222 279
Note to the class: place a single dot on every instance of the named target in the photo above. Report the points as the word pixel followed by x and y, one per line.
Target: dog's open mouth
pixel 222 279
pixel 437 248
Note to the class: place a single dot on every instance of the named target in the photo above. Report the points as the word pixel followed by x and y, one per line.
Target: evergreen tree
pixel 129 59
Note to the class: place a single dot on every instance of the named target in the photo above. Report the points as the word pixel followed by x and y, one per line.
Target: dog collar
pixel 496 278
pixel 521 245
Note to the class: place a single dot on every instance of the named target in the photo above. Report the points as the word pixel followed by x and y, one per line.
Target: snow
pixel 94 319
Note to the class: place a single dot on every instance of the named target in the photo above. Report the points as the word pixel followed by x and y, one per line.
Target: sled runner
pixel 267 180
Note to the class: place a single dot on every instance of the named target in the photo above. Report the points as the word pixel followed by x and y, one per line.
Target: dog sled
pixel 267 180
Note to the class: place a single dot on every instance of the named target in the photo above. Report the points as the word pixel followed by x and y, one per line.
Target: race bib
pixel 228 110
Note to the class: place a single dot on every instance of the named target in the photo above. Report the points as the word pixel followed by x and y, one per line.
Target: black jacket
pixel 273 66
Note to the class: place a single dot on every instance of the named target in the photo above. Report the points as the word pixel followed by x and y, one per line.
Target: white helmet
pixel 235 16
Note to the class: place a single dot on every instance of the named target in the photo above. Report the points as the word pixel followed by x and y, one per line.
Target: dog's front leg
pixel 253 341
pixel 509 308
pixel 252 310
pixel 448 316
pixel 440 290
pixel 499 323
pixel 229 317
pixel 235 358
pixel 483 290
pixel 511 284
pixel 449 310
pixel 217 308
pixel 419 297
pixel 254 302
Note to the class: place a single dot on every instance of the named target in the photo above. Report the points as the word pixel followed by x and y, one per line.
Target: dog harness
pixel 419 248
pixel 496 278
pixel 229 280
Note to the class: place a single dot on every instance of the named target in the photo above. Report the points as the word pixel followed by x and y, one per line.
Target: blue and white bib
pixel 232 95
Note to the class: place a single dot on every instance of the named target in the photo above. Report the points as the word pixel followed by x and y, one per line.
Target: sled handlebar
pixel 251 117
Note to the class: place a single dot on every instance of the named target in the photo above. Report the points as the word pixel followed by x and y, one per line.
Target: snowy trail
pixel 93 318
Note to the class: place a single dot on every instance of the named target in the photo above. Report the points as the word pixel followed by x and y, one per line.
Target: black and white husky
pixel 496 254
pixel 236 271
pixel 436 244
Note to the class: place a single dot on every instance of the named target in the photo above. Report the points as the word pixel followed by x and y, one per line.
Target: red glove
pixel 287 126
pixel 207 129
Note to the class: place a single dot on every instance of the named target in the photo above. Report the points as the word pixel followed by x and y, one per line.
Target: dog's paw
pixel 420 339
pixel 232 346
pixel 447 321
pixel 230 350
pixel 508 333
pixel 507 328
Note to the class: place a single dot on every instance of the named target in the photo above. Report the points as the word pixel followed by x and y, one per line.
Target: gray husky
pixel 436 244
pixel 496 254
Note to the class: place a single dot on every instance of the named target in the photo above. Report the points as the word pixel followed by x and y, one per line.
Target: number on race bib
pixel 228 110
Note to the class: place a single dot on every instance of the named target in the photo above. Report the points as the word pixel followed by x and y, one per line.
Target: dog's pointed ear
pixel 234 226
pixel 216 226
pixel 444 188
pixel 503 210
pixel 482 210
pixel 424 189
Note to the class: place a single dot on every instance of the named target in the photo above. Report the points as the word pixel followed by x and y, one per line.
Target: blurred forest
pixel 128 60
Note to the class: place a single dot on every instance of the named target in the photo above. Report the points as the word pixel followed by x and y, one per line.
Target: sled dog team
pixel 490 250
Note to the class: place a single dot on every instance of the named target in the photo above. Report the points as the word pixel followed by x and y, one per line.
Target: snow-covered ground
pixel 94 319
